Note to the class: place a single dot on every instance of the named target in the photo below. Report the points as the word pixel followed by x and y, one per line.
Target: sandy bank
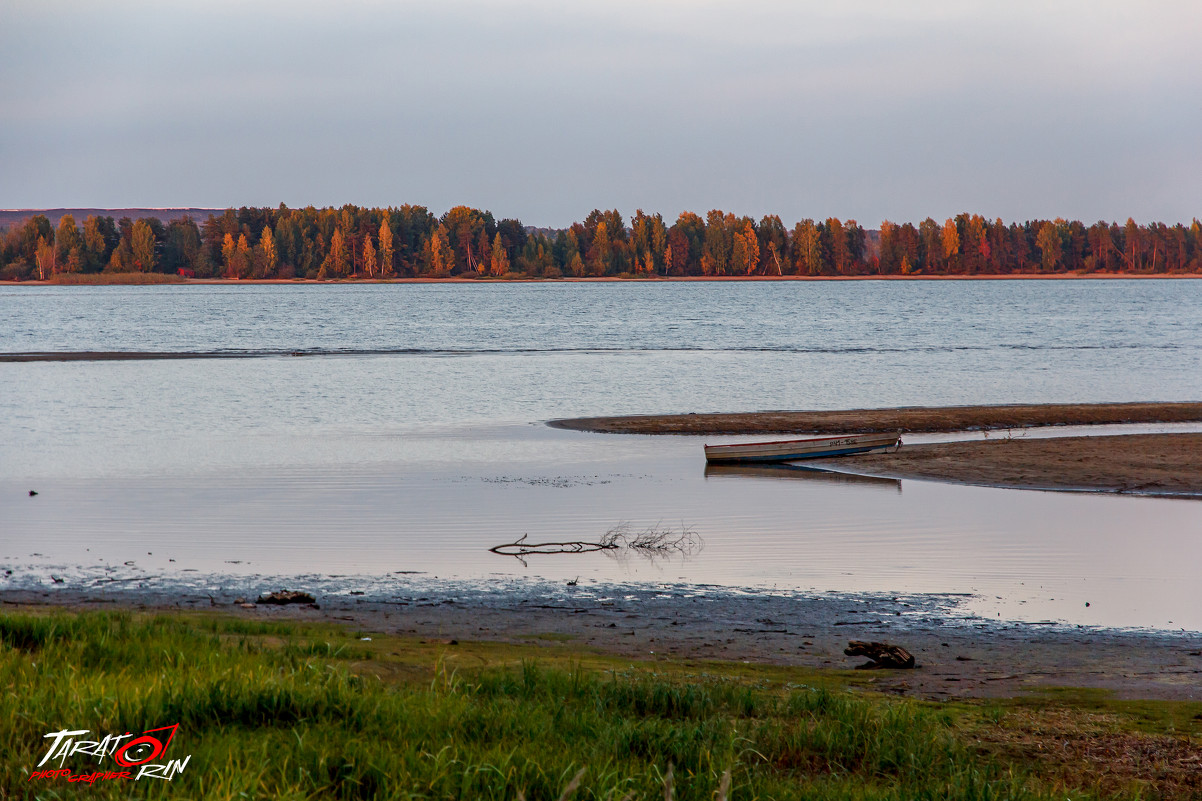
pixel 1148 464
pixel 906 419
pixel 1145 464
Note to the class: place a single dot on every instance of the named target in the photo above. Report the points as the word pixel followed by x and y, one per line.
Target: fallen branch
pixel 652 541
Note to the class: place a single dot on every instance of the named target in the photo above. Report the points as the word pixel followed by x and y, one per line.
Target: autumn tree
pixel 1048 241
pixel 438 256
pixel 142 244
pixel 807 248
pixel 370 260
pixel 890 257
pixel 773 243
pixel 44 258
pixel 387 268
pixel 337 262
pixel 745 248
pixel 499 261
pixel 242 257
pixel 951 243
pixel 835 236
pixel 68 245
pixel 719 242
pixel 95 243
pixel 648 242
pixel 600 253
pixel 228 250
pixel 268 254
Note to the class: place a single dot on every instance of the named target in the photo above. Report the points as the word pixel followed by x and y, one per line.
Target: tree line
pixel 409 241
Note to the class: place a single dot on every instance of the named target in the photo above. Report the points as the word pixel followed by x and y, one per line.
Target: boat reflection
pixel 797 472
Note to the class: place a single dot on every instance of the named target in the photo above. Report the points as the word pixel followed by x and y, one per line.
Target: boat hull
pixel 793 450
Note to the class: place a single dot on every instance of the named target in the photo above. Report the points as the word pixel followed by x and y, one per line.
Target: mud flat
pixel 958 655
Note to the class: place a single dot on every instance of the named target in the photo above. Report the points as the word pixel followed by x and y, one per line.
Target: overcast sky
pixel 546 110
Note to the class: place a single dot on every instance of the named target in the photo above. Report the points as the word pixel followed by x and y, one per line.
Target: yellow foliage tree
pixel 386 253
pixel 499 259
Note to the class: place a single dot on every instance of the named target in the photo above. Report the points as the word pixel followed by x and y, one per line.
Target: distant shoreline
pixel 100 281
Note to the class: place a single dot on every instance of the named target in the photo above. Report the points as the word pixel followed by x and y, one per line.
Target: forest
pixel 409 241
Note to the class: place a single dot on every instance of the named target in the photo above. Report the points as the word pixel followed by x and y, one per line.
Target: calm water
pixel 413 437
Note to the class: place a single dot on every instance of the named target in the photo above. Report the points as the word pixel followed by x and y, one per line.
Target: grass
pixel 292 711
pixel 114 278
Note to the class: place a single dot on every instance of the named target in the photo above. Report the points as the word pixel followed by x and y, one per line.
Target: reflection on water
pixel 1022 555
pixel 796 472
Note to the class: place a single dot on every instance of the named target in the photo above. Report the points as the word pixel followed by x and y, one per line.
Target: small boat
pixel 788 450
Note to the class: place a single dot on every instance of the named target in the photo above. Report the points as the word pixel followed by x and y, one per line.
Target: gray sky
pixel 872 110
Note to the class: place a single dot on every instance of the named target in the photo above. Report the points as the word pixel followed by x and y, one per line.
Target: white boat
pixel 787 450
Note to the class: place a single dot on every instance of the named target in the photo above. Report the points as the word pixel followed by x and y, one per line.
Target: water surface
pixel 424 456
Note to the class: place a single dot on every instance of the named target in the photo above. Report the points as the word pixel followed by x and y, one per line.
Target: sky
pixel 866 110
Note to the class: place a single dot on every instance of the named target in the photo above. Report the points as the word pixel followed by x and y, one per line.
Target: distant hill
pixel 10 218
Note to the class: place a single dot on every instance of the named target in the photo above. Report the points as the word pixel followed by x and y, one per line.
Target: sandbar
pixel 1146 464
pixel 1138 464
pixel 903 418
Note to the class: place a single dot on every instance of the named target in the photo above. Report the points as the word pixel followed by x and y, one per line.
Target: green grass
pixel 278 710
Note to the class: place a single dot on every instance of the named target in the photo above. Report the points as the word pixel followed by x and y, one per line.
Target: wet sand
pixel 956 657
pixel 1141 464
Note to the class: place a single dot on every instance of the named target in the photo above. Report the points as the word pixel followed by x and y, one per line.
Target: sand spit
pixel 1145 464
pixel 905 419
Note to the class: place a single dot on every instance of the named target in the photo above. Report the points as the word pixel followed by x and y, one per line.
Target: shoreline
pixel 958 656
pixel 492 280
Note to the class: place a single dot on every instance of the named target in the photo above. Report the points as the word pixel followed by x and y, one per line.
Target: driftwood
pixel 286 597
pixel 652 541
pixel 880 655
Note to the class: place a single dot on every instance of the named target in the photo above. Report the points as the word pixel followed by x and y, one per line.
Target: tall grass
pixel 272 711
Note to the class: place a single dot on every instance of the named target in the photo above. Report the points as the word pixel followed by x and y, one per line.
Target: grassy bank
pixel 281 710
